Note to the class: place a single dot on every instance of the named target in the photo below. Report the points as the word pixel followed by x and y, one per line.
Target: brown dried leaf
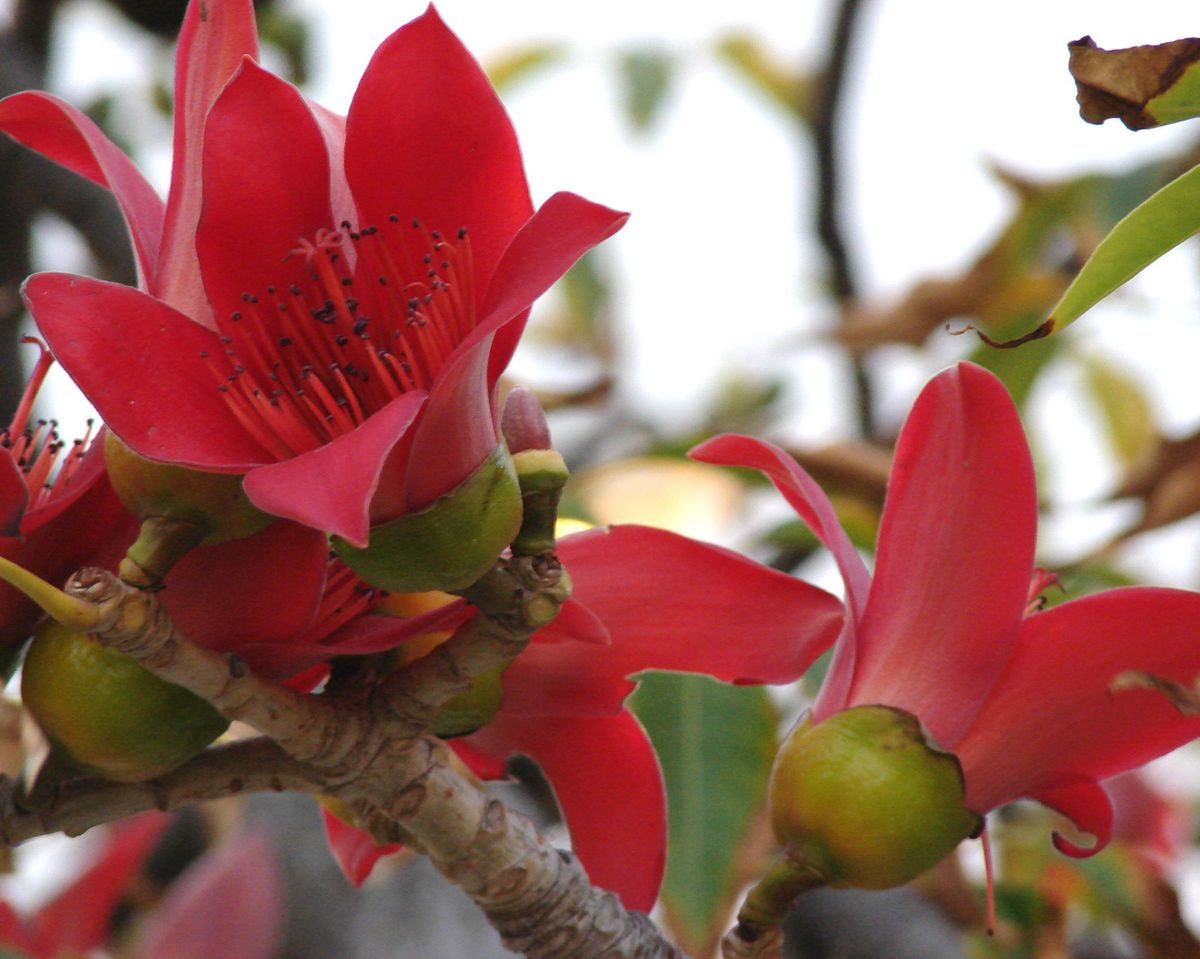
pixel 1119 83
pixel 852 467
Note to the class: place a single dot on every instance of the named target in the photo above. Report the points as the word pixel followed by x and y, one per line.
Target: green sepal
pixel 449 544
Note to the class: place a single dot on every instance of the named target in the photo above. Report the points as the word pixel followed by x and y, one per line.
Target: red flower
pixel 57 508
pixel 941 631
pixel 643 599
pixel 332 300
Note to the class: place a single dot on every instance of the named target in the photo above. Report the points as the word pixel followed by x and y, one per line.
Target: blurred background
pixel 823 196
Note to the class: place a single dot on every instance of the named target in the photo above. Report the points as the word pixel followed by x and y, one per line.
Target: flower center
pixel 380 311
pixel 35 446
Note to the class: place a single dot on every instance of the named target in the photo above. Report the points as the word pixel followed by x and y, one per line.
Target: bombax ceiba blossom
pixel 943 656
pixel 326 303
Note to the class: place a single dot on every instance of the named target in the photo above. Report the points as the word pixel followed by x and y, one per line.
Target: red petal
pixel 813 507
pixel 1053 717
pixel 230 904
pixel 427 137
pixel 213 40
pixel 14 495
pixel 456 432
pixel 1087 805
pixel 266 186
pixel 214 602
pixel 362 635
pixel 354 850
pixel 606 777
pixel 669 603
pixel 61 133
pixel 330 488
pixel 564 228
pixel 459 426
pixel 79 918
pixel 138 361
pixel 955 555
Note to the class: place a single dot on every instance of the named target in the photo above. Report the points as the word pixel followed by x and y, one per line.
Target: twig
pixel 75 806
pixel 824 123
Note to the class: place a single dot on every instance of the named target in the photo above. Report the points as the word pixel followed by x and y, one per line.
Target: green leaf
pixel 509 69
pixel 1128 418
pixel 645 76
pixel 716 743
pixel 1159 224
pixel 767 74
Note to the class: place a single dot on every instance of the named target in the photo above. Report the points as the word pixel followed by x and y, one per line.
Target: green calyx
pixel 452 542
pixel 180 509
pixel 865 800
pixel 213 502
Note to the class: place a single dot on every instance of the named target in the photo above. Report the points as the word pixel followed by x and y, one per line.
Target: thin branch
pixel 75 806
pixel 825 131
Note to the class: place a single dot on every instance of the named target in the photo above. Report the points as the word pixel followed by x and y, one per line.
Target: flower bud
pixel 469 710
pixel 106 713
pixel 452 542
pixel 866 800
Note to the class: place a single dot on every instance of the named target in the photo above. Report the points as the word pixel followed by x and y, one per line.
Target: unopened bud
pixel 865 800
pixel 523 422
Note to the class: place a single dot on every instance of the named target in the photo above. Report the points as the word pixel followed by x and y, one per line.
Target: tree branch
pixel 367 747
pixel 824 123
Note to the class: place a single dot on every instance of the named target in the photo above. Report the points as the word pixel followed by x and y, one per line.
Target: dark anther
pixel 462 232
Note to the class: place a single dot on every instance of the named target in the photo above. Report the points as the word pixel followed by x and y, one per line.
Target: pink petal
pixel 1053 717
pixel 138 361
pixel 668 602
pixel 1087 805
pixel 608 783
pixel 61 133
pixel 229 904
pixel 214 602
pixel 266 187
pixel 427 137
pixel 955 555
pixel 354 850
pixel 330 488
pixel 813 507
pixel 213 40
pixel 78 919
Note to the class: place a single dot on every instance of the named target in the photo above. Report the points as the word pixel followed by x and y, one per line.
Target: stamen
pixel 381 311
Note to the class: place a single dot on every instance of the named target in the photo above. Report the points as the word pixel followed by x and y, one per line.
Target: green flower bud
pixel 106 713
pixel 452 542
pixel 866 800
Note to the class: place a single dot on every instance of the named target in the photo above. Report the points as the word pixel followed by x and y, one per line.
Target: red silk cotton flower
pixel 327 303
pixel 941 631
